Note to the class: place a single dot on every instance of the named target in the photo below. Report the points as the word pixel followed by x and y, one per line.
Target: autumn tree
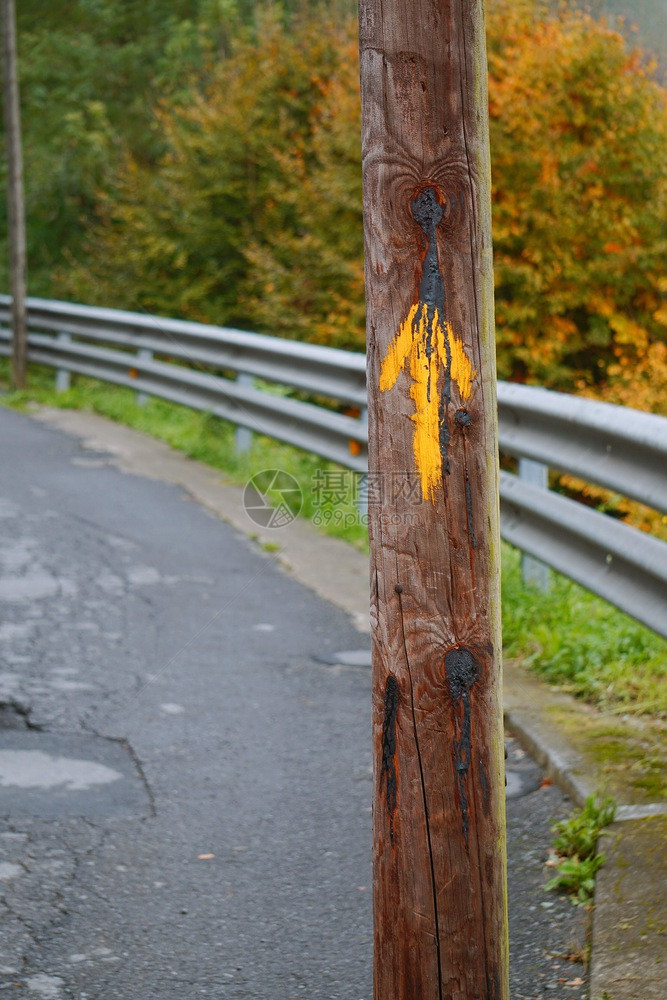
pixel 308 281
pixel 90 74
pixel 187 236
pixel 252 213
pixel 578 144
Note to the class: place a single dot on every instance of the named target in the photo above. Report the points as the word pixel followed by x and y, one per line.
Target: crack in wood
pixel 388 769
pixel 491 974
pixel 425 802
pixel 463 419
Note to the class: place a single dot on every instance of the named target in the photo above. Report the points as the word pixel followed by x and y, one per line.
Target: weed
pixel 577 835
pixel 577 878
pixel 270 547
pixel 575 846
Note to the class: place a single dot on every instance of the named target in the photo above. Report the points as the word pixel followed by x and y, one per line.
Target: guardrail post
pixel 243 435
pixel 144 354
pixel 439 859
pixel 63 375
pixel 533 572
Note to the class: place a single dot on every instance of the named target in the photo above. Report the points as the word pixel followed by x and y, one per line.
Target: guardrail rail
pixel 230 373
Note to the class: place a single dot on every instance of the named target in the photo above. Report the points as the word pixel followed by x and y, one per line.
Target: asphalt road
pixel 184 786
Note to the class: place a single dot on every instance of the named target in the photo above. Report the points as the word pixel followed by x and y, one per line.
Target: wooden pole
pixel 439 805
pixel 15 204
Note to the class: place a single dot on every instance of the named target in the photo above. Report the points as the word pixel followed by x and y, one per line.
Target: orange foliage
pixel 578 147
pixel 253 214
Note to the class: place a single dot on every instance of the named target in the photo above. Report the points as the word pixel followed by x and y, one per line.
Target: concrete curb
pixel 624 966
pixel 628 935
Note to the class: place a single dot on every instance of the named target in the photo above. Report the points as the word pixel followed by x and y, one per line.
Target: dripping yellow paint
pixel 426 343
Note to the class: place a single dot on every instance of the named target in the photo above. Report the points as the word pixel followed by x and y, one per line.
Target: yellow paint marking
pixel 428 370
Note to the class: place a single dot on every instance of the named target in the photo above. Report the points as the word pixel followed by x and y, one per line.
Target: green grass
pixel 582 644
pixel 576 858
pixel 568 637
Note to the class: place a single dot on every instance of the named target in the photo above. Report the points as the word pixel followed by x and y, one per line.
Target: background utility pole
pixel 15 206
pixel 439 804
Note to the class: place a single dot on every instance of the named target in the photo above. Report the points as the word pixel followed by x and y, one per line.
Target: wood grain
pixel 15 199
pixel 439 825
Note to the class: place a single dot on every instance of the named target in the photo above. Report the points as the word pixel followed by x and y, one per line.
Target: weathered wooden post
pixel 439 818
pixel 15 204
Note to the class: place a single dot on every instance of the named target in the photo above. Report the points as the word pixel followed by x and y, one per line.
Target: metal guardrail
pixel 218 370
pixel 613 446
pixel 140 352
